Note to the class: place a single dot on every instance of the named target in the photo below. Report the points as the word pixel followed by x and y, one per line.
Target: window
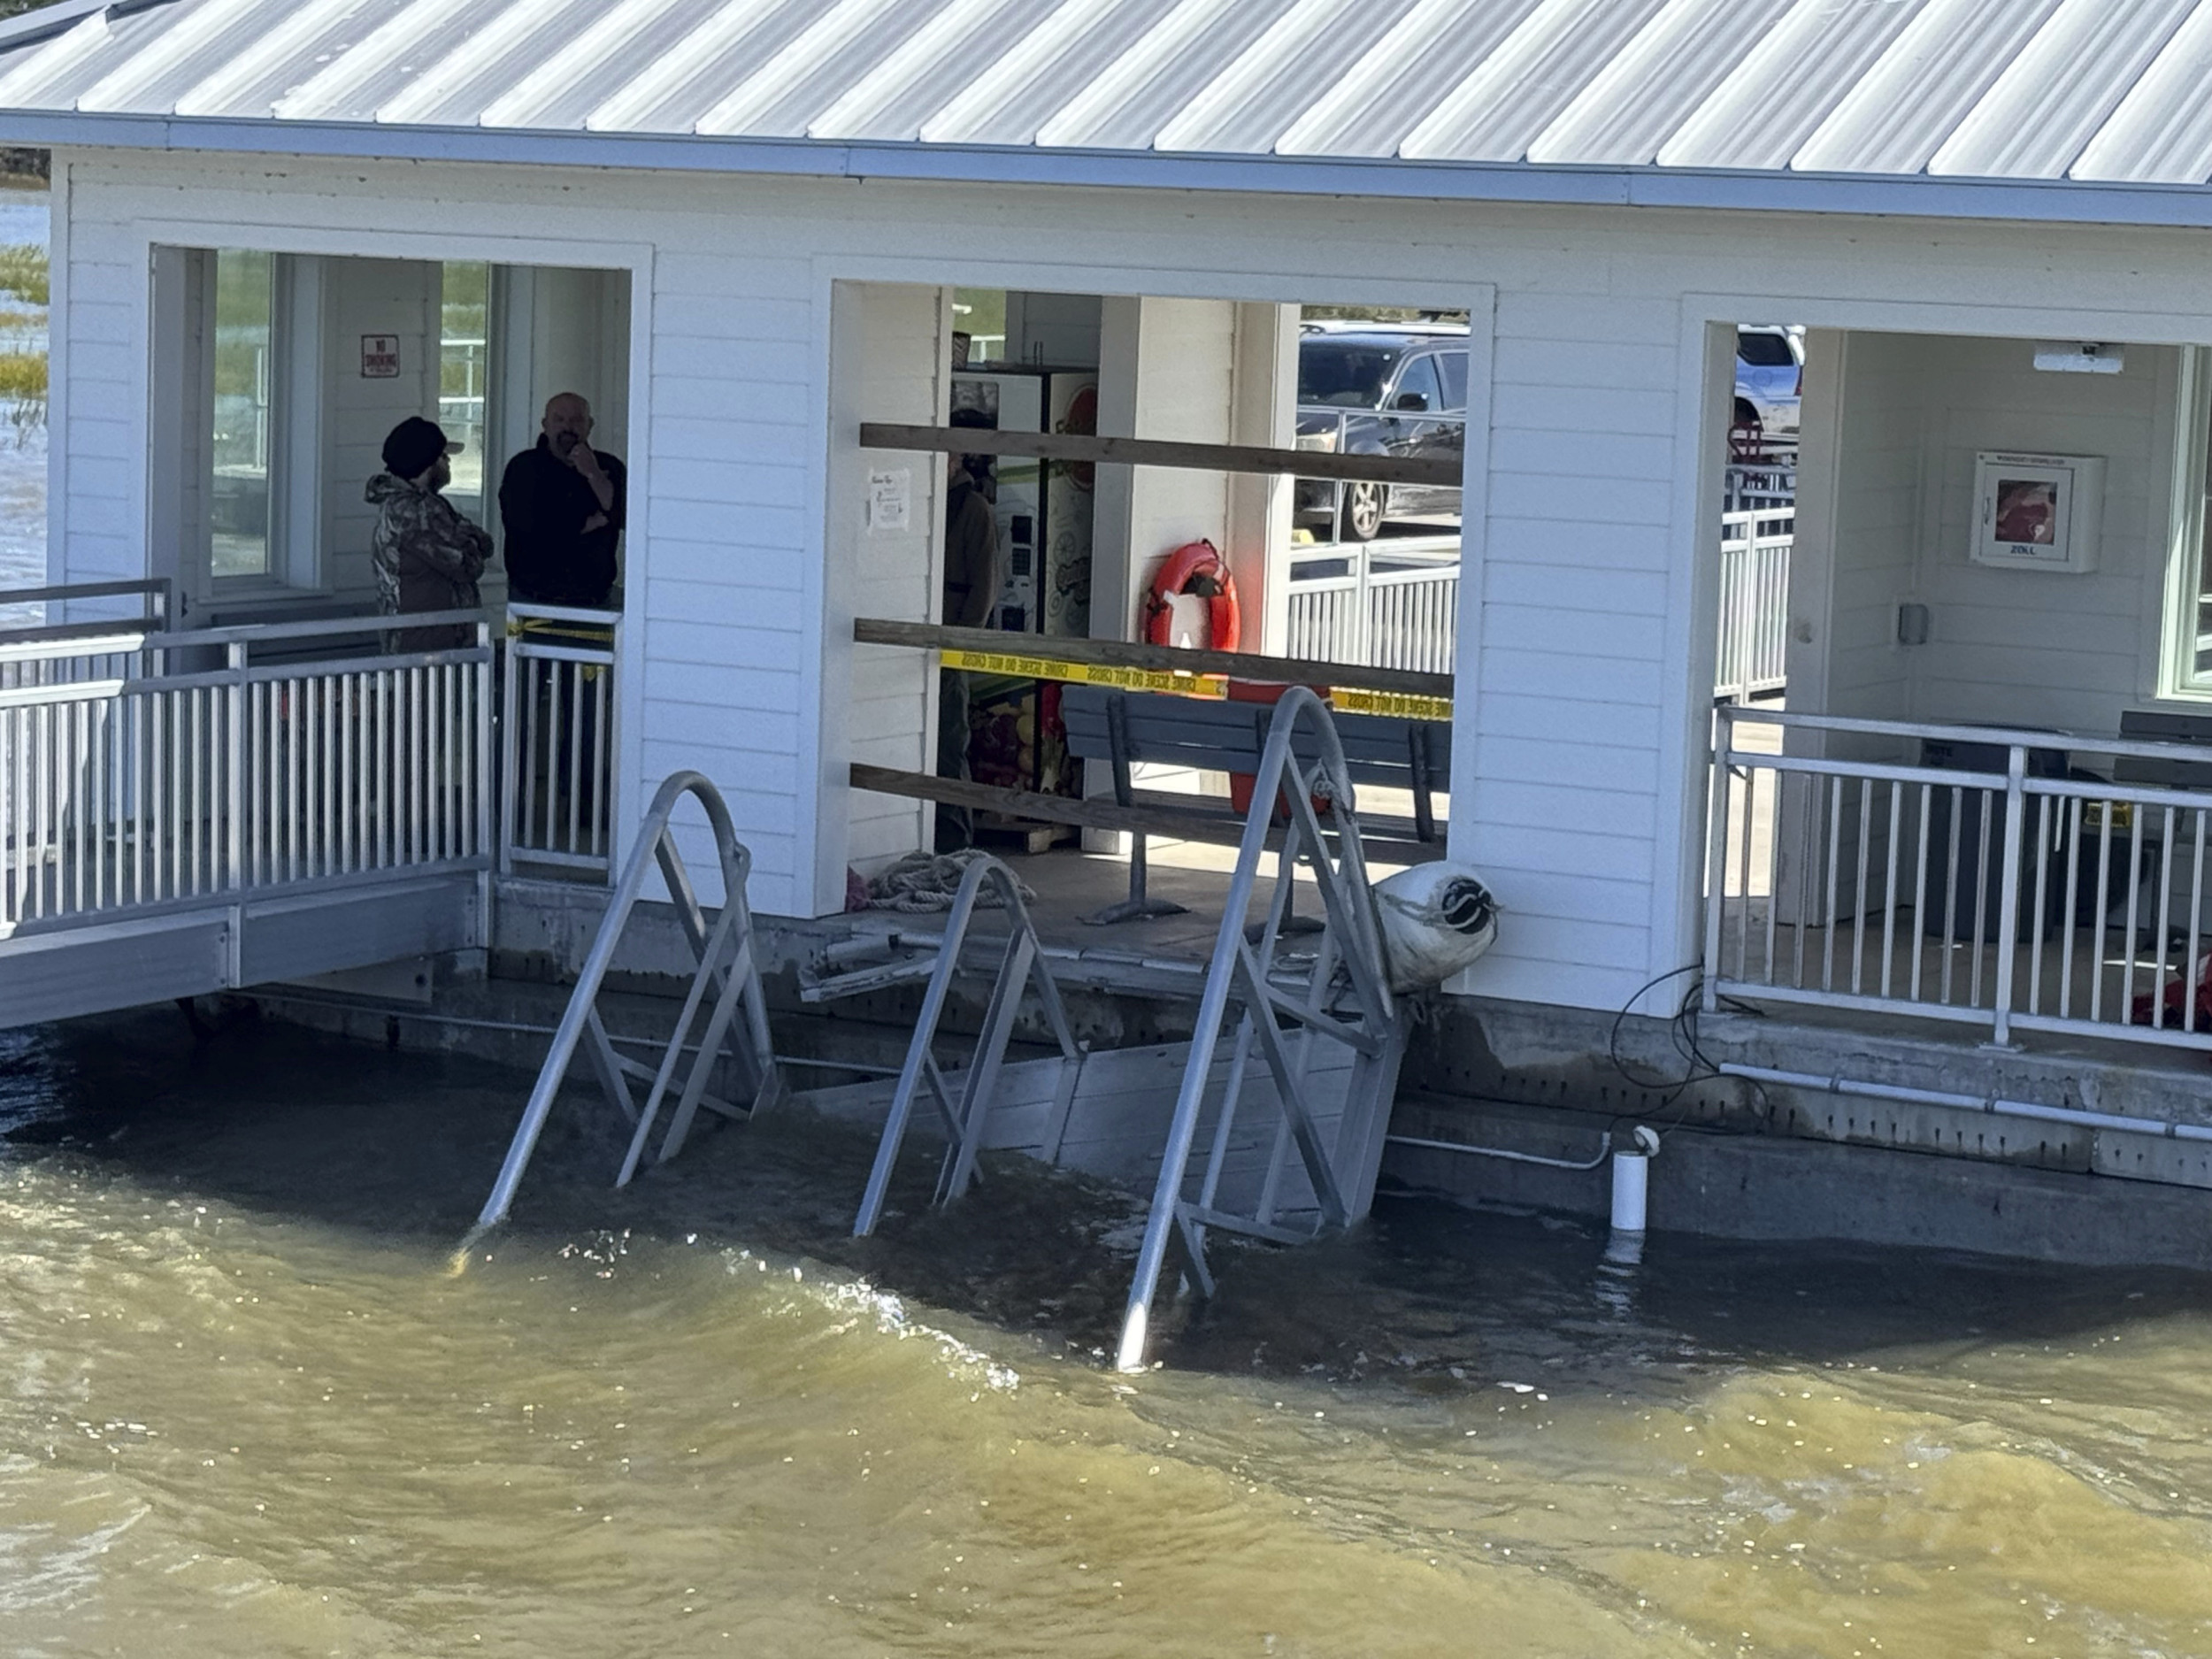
pixel 464 378
pixel 1418 389
pixel 254 392
pixel 1454 366
pixel 245 384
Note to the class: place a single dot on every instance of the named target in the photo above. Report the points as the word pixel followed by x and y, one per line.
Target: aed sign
pixel 380 357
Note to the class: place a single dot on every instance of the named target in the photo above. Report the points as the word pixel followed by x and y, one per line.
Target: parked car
pixel 1380 389
pixel 1769 378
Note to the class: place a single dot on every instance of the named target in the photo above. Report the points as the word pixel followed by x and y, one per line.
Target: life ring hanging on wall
pixel 1197 569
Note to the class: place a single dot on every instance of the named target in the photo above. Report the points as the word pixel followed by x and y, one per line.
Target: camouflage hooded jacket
pixel 427 556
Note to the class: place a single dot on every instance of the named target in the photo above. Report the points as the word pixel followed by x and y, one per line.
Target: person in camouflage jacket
pixel 427 556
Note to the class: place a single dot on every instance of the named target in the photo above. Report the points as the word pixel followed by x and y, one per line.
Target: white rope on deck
pixel 925 883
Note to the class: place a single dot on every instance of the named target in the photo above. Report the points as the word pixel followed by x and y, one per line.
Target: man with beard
pixel 564 505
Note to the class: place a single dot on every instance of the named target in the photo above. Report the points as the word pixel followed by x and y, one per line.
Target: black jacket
pixel 551 558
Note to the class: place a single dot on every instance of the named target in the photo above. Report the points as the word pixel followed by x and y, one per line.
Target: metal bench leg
pixel 1139 905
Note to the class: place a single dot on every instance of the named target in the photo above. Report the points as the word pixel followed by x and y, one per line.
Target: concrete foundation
pixel 1739 1160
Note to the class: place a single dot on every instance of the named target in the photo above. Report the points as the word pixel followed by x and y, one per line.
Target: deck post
pixel 2008 894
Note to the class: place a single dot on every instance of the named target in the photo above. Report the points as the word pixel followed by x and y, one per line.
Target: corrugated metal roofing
pixel 2089 91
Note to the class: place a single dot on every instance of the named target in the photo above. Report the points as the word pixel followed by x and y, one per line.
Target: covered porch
pixel 1977 803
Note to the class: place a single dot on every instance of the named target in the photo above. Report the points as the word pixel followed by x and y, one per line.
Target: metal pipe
pixel 1605 1147
pixel 1994 1105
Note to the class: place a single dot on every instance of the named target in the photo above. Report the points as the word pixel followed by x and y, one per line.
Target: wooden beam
pixel 1217 829
pixel 1210 457
pixel 1274 671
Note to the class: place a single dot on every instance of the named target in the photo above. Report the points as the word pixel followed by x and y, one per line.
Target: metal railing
pixel 558 730
pixel 1375 605
pixel 57 653
pixel 1755 602
pixel 1991 877
pixel 1291 1008
pixel 1021 968
pixel 202 775
pixel 726 969
pixel 1751 486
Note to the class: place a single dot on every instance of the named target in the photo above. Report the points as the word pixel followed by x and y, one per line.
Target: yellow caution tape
pixel 1403 704
pixel 1084 673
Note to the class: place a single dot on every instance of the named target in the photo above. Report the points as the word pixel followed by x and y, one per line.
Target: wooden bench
pixel 1128 728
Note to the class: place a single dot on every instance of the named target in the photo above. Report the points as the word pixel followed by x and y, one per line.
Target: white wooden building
pixel 736 225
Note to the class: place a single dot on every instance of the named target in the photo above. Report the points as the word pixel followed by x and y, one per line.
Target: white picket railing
pixel 202 774
pixel 558 731
pixel 1374 606
pixel 2012 880
pixel 1755 602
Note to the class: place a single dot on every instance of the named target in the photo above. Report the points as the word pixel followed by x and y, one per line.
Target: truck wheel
pixel 1365 505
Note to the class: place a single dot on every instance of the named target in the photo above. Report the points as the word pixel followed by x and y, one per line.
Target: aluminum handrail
pixel 1240 974
pixel 1021 964
pixel 1996 736
pixel 157 586
pixel 2005 891
pixel 740 981
pixel 530 610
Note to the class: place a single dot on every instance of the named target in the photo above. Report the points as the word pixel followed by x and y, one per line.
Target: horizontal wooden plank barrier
pixel 1275 671
pixel 1210 457
pixel 1218 829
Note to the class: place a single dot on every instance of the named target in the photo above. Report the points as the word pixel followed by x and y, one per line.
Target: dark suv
pixel 1378 389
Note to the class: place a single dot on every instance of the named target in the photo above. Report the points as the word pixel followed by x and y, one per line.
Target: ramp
pixel 177 819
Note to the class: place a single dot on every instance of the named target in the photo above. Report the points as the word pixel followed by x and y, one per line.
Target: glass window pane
pixel 464 377
pixel 238 495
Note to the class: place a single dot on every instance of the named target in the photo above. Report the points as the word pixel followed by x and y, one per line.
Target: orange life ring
pixel 1196 568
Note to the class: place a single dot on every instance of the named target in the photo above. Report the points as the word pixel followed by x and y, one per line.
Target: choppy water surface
pixel 244 1411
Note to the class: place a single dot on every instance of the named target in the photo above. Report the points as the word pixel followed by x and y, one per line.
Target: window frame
pixel 296 567
pixel 2188 568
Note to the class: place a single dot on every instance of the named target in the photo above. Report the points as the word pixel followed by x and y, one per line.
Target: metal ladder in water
pixel 727 980
pixel 1257 983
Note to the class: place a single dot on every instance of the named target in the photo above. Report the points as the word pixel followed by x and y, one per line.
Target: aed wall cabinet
pixel 2037 512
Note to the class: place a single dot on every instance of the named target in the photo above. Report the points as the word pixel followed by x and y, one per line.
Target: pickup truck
pixel 1380 389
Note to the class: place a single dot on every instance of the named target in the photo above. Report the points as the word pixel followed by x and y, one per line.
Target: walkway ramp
pixel 178 818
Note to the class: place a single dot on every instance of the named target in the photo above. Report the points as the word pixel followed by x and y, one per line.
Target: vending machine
pixel 1043 507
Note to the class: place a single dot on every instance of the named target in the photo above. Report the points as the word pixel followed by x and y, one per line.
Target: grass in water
pixel 22 376
pixel 24 272
pixel 23 391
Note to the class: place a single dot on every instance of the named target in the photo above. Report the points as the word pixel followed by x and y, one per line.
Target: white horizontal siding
pixel 1580 560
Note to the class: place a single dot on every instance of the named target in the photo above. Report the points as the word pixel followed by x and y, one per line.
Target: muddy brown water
pixel 245 1409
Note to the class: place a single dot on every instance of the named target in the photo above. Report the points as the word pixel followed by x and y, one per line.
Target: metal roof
pixel 2070 93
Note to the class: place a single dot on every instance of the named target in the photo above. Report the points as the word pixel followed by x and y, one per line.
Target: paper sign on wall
pixel 380 357
pixel 890 502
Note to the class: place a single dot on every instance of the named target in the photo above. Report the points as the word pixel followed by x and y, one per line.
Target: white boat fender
pixel 1436 919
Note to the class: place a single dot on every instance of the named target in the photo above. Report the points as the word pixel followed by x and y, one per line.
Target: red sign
pixel 380 357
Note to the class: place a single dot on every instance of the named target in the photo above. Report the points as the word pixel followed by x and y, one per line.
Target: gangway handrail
pixel 1022 964
pixel 1240 973
pixel 735 982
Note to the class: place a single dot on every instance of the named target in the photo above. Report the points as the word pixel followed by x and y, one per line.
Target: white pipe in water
pixel 1632 1172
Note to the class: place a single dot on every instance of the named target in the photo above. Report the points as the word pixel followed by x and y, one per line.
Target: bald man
pixel 563 505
